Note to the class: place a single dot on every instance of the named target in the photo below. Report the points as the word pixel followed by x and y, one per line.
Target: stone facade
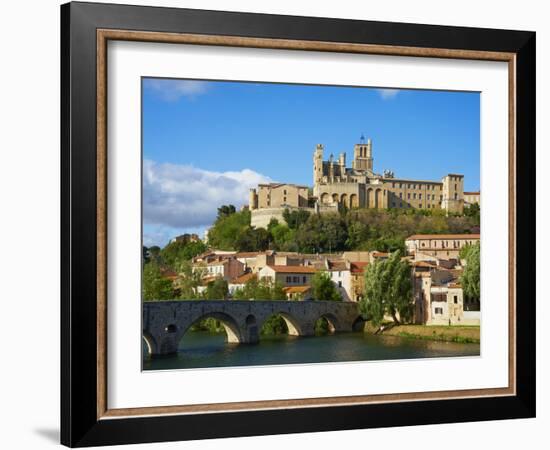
pixel 471 198
pixel 360 187
pixel 446 246
pixel 275 195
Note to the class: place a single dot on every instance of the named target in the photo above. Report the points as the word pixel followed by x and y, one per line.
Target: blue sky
pixel 217 139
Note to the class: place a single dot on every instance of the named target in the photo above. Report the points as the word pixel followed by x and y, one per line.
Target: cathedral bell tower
pixel 362 155
pixel 317 167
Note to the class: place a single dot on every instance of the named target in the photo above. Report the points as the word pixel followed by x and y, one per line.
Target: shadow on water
pixel 202 349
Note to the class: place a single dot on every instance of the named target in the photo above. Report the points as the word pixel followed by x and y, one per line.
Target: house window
pixel 400 195
pixel 288 279
pixel 439 310
pixel 339 284
pixel 304 279
pixel 409 195
pixel 455 298
pixel 419 196
pixel 414 196
pixel 295 279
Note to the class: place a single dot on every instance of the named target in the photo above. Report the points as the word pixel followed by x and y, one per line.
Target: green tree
pixel 216 290
pixel 473 211
pixel 223 233
pixel 334 232
pixel 388 290
pixel 189 280
pixel 358 233
pixel 252 240
pixel 283 238
pixel 176 252
pixel 226 210
pixel 470 276
pixel 323 288
pixel 154 285
pixel 295 218
pixel 260 290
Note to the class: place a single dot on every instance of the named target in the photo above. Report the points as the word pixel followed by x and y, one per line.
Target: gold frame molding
pixel 103 36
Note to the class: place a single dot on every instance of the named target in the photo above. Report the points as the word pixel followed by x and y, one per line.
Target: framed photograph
pixel 273 224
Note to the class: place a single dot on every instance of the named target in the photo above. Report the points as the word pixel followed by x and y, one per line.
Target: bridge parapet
pixel 165 322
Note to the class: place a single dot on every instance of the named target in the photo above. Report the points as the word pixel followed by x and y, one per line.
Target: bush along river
pixel 205 346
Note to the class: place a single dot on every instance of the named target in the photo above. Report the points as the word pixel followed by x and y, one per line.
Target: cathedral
pixel 359 186
pixel 336 186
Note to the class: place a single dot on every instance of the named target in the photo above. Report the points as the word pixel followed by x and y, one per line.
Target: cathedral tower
pixel 317 166
pixel 362 155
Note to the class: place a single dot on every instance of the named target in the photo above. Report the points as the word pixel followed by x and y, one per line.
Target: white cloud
pixel 183 197
pixel 387 94
pixel 172 90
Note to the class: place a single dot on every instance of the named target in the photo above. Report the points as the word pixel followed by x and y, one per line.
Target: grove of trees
pixel 356 229
pixel 388 290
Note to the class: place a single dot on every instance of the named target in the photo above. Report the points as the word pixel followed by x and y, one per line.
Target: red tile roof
pixel 358 267
pixel 241 279
pixel 296 289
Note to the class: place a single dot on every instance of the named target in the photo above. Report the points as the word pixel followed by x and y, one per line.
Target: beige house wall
pixel 278 195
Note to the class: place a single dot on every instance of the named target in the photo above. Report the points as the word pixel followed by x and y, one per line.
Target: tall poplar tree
pixel 388 290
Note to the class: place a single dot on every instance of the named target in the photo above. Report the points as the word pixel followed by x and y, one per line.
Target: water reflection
pixel 204 349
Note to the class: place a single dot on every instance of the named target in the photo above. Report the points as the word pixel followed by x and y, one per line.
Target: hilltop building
pixel 337 186
pixel 359 186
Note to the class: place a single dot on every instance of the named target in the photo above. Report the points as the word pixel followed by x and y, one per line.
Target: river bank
pixel 458 334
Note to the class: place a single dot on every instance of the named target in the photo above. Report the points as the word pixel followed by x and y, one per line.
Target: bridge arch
pixel 333 323
pixel 292 325
pixel 150 342
pixel 358 324
pixel 229 323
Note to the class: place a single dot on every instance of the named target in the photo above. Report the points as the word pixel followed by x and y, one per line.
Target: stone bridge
pixel 165 322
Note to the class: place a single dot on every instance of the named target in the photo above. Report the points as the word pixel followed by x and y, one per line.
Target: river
pixel 199 349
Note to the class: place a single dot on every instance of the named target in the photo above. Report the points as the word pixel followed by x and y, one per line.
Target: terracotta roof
pixel 358 267
pixel 424 264
pixel 296 289
pixel 337 265
pixel 443 236
pixel 293 269
pixel 471 193
pixel 378 254
pixel 241 279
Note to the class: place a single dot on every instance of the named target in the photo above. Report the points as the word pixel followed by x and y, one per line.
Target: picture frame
pixel 86 28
